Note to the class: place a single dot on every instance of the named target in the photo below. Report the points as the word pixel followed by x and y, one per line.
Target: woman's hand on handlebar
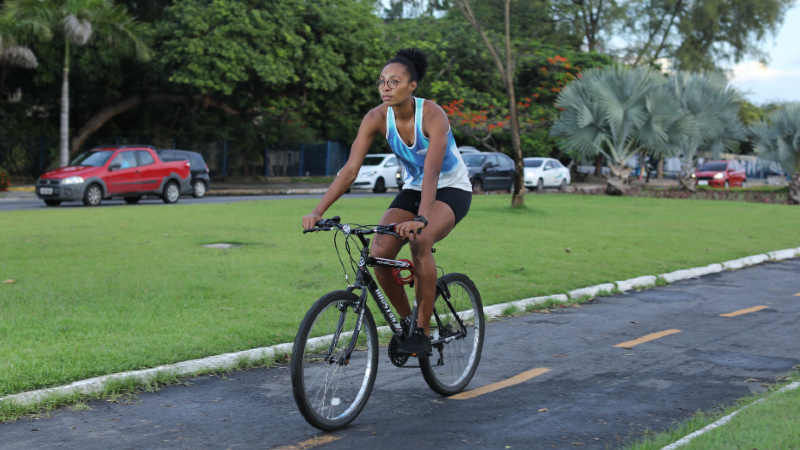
pixel 409 230
pixel 310 221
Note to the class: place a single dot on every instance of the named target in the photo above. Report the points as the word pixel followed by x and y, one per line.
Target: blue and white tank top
pixel 454 172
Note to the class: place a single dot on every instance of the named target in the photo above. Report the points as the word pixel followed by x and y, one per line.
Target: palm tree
pixel 619 111
pixel 78 21
pixel 778 139
pixel 11 54
pixel 714 106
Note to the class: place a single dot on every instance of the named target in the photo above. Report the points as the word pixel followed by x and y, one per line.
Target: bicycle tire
pixel 451 367
pixel 331 395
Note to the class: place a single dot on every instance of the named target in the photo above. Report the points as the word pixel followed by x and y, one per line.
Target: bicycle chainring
pixel 397 359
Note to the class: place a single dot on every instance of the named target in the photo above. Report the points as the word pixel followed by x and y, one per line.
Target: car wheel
pixel 347 191
pixel 477 185
pixel 744 183
pixel 52 202
pixel 133 200
pixel 93 195
pixel 563 186
pixel 727 185
pixel 540 184
pixel 199 189
pixel 380 186
pixel 171 193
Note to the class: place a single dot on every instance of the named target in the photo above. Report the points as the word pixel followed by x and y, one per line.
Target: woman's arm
pixel 370 127
pixel 435 126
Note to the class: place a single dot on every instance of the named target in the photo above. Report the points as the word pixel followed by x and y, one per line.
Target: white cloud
pixel 754 70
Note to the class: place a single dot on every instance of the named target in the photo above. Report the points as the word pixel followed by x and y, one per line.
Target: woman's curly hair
pixel 414 60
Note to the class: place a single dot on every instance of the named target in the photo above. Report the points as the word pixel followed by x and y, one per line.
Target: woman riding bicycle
pixel 436 193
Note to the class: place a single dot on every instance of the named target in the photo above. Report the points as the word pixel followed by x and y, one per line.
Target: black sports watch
pixel 421 219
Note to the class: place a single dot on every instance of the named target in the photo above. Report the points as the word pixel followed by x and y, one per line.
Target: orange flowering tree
pixel 489 124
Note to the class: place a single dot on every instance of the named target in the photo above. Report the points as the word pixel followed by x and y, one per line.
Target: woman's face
pixel 405 87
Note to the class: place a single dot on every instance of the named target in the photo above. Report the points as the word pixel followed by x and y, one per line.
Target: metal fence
pixel 30 157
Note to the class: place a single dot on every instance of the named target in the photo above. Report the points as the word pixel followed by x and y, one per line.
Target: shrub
pixel 4 179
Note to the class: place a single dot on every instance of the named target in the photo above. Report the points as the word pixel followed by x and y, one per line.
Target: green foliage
pixel 619 111
pixel 778 137
pixel 317 57
pixel 709 101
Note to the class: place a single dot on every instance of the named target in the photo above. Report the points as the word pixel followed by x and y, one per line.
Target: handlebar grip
pixel 317 229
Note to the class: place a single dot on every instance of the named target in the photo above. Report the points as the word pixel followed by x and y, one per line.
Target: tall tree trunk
pixel 598 165
pixel 685 177
pixel 660 173
pixel 794 189
pixel 518 197
pixel 63 151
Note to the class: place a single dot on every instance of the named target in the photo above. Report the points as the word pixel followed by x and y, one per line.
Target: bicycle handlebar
pixel 333 224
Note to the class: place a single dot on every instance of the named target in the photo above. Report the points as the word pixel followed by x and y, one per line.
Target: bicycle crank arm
pixel 448 339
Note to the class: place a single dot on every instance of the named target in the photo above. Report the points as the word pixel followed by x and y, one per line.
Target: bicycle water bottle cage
pixel 397 272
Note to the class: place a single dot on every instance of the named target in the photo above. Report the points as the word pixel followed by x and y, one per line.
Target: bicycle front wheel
pixel 454 361
pixel 329 389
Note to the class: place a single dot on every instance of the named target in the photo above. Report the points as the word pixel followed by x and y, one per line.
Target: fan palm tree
pixel 714 105
pixel 78 21
pixel 11 54
pixel 778 139
pixel 617 112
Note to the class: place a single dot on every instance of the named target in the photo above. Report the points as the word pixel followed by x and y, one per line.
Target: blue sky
pixel 780 80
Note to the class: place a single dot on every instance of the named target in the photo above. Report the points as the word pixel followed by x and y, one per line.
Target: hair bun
pixel 417 57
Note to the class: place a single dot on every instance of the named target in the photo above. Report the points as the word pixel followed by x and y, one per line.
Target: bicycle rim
pixel 328 393
pixel 451 367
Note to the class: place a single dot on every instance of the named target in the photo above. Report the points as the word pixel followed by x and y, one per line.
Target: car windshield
pixel 533 162
pixel 473 160
pixel 94 159
pixel 713 167
pixel 373 160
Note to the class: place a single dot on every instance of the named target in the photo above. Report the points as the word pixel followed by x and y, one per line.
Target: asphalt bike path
pixel 593 376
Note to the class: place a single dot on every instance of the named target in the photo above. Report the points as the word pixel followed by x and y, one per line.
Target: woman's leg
pixel 384 246
pixel 440 224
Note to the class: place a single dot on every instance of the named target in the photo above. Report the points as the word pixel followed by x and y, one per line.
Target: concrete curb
pixel 633 283
pixel 724 420
pixel 230 360
pixel 591 291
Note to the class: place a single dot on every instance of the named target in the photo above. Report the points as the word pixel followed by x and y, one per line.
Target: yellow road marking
pixel 744 311
pixel 647 338
pixel 524 376
pixel 313 442
pixel 797 295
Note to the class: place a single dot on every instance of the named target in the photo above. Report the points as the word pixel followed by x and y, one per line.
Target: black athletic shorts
pixel 458 200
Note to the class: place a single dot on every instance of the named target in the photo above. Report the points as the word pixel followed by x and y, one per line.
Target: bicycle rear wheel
pixel 453 363
pixel 329 391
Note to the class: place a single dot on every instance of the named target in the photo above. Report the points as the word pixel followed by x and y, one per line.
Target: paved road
pixel 28 203
pixel 595 395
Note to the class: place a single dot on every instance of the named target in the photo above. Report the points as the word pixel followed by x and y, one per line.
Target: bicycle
pixel 332 382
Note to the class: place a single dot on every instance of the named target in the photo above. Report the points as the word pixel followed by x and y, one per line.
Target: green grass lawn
pixel 771 424
pixel 111 289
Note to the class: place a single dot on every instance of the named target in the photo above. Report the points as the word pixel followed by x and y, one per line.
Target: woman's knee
pixel 420 246
pixel 382 248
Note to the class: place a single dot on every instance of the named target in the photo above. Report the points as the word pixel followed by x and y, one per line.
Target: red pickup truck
pixel 129 172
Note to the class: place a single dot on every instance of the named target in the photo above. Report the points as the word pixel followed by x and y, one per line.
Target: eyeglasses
pixel 391 83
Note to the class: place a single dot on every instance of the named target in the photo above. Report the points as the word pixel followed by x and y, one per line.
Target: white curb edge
pixel 724 420
pixel 229 360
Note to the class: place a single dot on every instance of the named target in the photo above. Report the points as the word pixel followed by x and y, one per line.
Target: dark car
pixel 200 178
pixel 489 171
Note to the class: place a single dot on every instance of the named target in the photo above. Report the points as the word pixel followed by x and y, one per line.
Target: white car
pixel 378 172
pixel 545 172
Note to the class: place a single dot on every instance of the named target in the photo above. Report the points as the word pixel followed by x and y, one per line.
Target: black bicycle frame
pixel 366 283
